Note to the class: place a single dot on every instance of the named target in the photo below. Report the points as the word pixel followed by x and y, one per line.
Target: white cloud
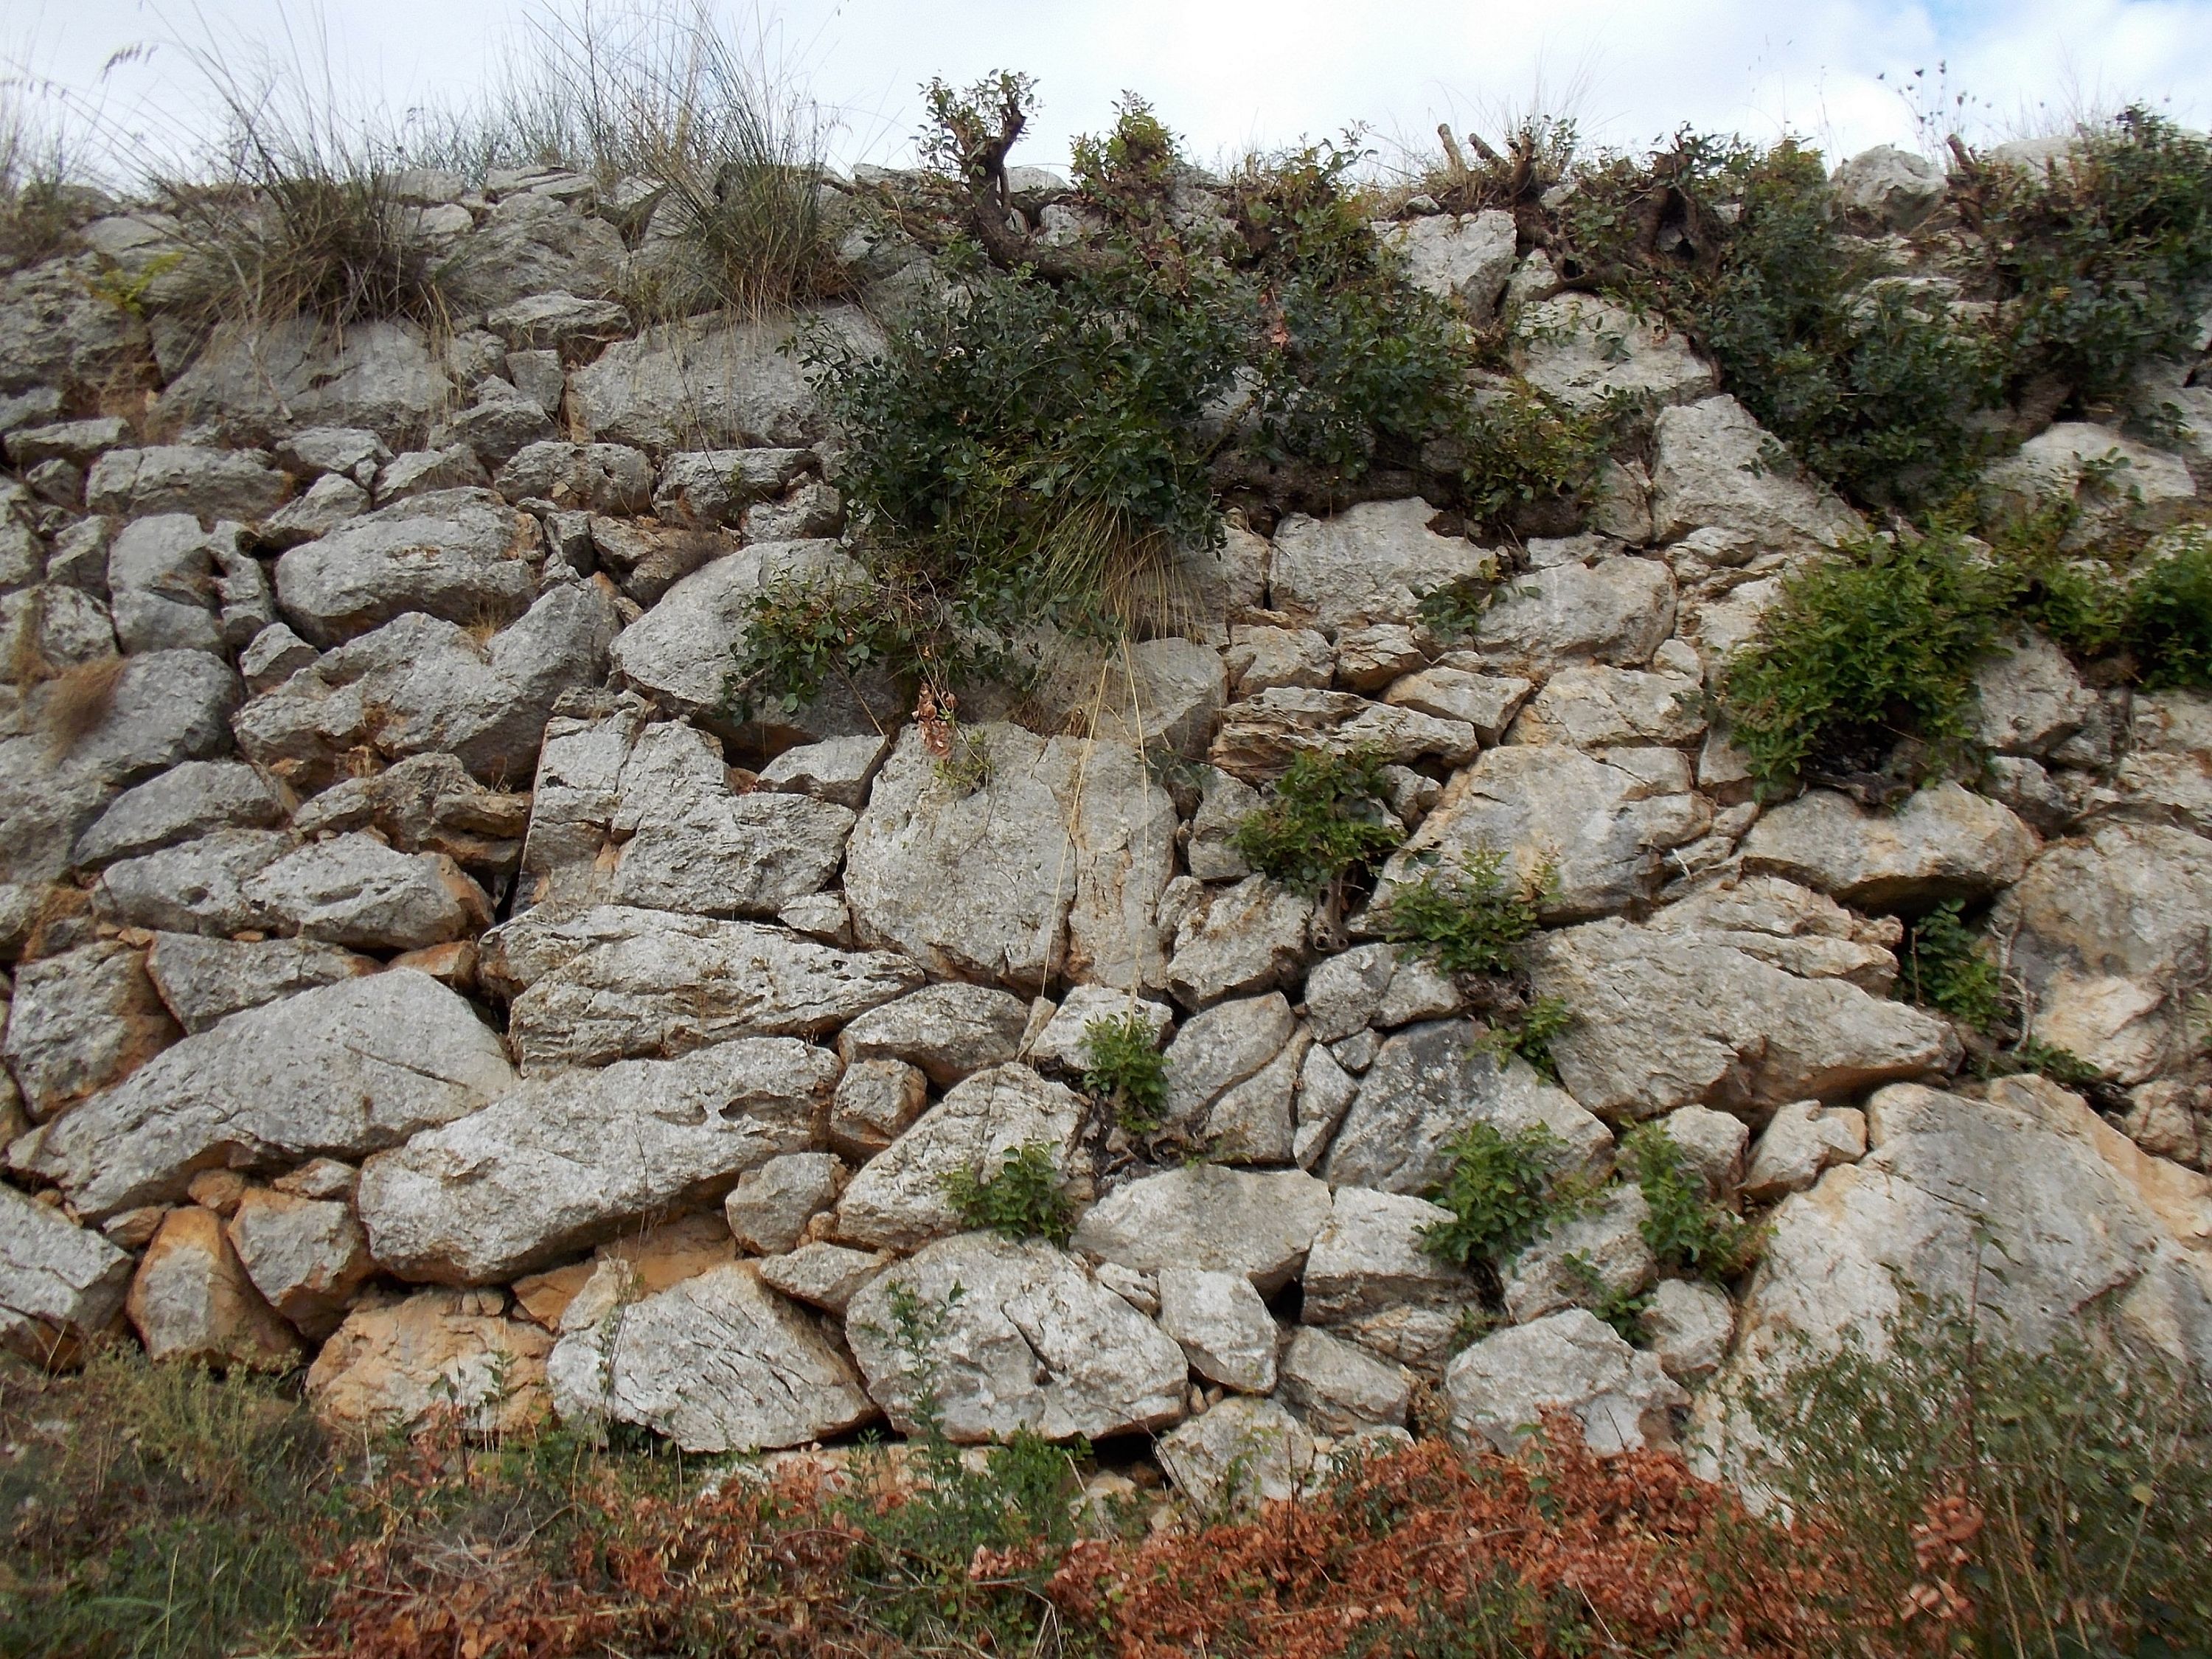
pixel 1233 73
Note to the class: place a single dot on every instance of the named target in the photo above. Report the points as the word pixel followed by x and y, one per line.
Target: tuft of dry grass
pixel 77 702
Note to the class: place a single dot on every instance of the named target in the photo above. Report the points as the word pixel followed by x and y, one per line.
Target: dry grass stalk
pixel 78 702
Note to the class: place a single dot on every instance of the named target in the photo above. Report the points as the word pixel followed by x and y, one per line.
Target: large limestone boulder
pixel 355 889
pixel 260 384
pixel 561 1162
pixel 185 801
pixel 616 982
pixel 455 554
pixel 1945 843
pixel 1031 1341
pixel 1570 1362
pixel 197 887
pixel 2102 928
pixel 75 743
pixel 397 1363
pixel 706 380
pixel 1370 563
pixel 59 1283
pixel 206 483
pixel 1584 350
pixel 898 1198
pixel 1243 1452
pixel 946 1031
pixel 2166 776
pixel 420 684
pixel 83 1020
pixel 1222 1326
pixel 2024 1205
pixel 1895 188
pixel 1239 941
pixel 1371 1279
pixel 1614 610
pixel 1724 1000
pixel 1060 856
pixel 1258 738
pixel 1599 708
pixel 2149 487
pixel 339 1072
pixel 1427 1086
pixel 1719 469
pixel 192 1300
pixel 1338 1387
pixel 719 1363
pixel 1604 826
pixel 1212 1219
pixel 1466 257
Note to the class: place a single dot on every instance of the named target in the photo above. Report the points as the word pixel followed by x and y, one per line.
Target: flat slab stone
pixel 1212 1219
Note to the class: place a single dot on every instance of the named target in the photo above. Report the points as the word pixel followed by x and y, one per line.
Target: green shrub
pixel 1529 1035
pixel 1323 818
pixel 1621 1309
pixel 2021 1505
pixel 1452 611
pixel 1503 1192
pixel 1879 644
pixel 1945 965
pixel 1021 1199
pixel 1124 1067
pixel 1684 1228
pixel 2104 258
pixel 2169 605
pixel 1468 920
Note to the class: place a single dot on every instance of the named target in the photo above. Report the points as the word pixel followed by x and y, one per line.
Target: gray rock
pixel 160 708
pixel 1568 1362
pixel 561 1162
pixel 2100 928
pixel 838 770
pixel 1223 803
pixel 580 477
pixel 715 486
pixel 1373 984
pixel 876 1100
pixel 1338 1387
pixel 1256 740
pixel 948 1031
pixel 426 472
pixel 60 1283
pixel 208 483
pixel 1618 611
pixel 538 376
pixel 1326 1092
pixel 55 624
pixel 501 422
pixel 2028 1177
pixel 1261 657
pixel 1222 1326
pixel 1454 256
pixel 303 377
pixel 2152 488
pixel 1370 563
pixel 711 380
pixel 1221 1047
pixel 349 450
pixel 1613 708
pixel 1260 1224
pixel 1031 1342
pixel 420 685
pixel 340 1071
pixel 828 1276
pixel 1150 694
pixel 1800 1140
pixel 531 245
pixel 1688 1326
pixel 1060 857
pixel 1715 470
pixel 273 656
pixel 613 982
pixel 557 319
pixel 1599 1253
pixel 1584 350
pixel 1893 188
pixel 1064 1040
pixel 75 442
pixel 456 554
pixel 1239 941
pixel 1679 1012
pixel 770 1207
pixel 1945 843
pixel 1485 702
pixel 719 1363
pixel 161 581
pixel 1713 1143
pixel 2166 776
pixel 898 1200
pixel 305 1256
pixel 2028 700
pixel 198 887
pixel 1603 825
pixel 83 1020
pixel 1242 1453
pixel 1372 1280
pixel 1428 1084
pixel 356 890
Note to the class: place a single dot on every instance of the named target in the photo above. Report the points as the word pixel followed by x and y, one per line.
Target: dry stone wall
pixel 412 971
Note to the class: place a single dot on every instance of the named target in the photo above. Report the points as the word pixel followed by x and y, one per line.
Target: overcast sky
pixel 1230 74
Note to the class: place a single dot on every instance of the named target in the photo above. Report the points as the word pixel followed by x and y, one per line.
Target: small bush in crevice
pixel 1944 964
pixel 1021 1199
pixel 1684 1228
pixel 1323 820
pixel 2169 615
pixel 1468 920
pixel 1503 1192
pixel 1125 1069
pixel 1877 645
pixel 1528 1034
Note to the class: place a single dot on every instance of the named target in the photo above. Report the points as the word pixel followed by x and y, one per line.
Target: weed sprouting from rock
pixel 1021 1199
pixel 1124 1067
pixel 1468 918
